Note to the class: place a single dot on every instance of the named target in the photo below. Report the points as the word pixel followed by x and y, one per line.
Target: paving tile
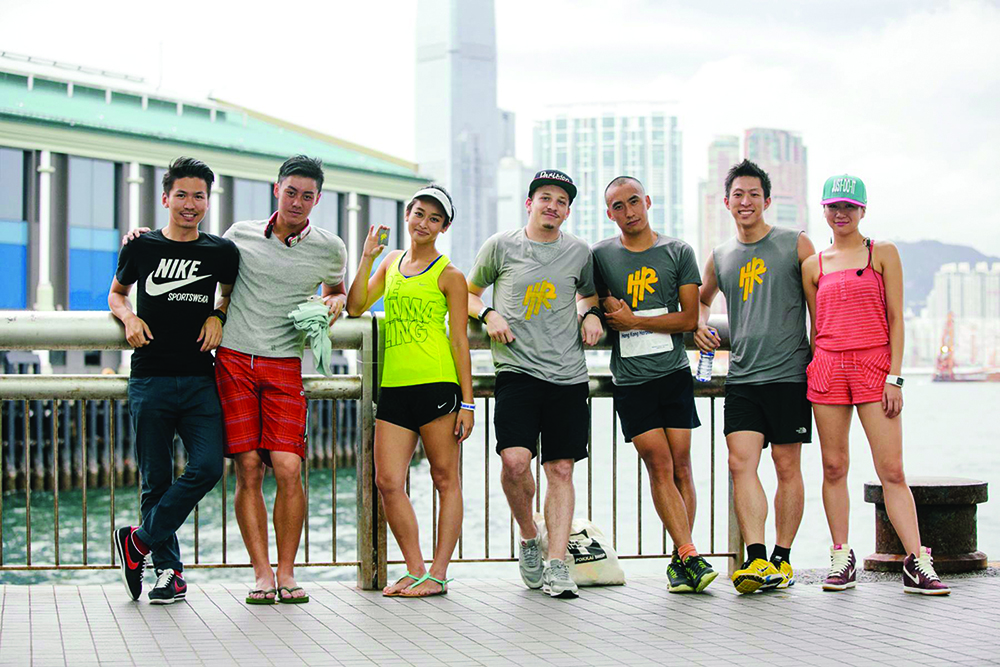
pixel 497 623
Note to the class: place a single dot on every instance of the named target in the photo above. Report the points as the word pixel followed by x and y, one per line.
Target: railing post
pixel 371 522
pixel 735 535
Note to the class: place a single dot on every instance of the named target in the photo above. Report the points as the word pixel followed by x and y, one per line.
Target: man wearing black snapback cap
pixel 537 327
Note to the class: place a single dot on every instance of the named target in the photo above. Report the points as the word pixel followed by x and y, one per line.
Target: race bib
pixel 639 343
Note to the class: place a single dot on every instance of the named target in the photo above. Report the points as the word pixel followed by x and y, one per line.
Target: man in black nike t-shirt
pixel 172 385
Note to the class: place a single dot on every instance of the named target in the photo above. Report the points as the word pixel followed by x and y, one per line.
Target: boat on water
pixel 945 370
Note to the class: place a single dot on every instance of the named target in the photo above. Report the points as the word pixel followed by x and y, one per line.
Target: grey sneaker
pixel 557 582
pixel 529 560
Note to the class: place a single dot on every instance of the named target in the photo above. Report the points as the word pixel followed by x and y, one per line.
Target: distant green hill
pixel 922 259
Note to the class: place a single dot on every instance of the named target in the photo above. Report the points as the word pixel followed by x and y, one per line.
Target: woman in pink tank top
pixel 854 290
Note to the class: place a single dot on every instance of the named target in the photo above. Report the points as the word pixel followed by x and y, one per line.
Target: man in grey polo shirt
pixel 537 330
pixel 259 367
pixel 648 283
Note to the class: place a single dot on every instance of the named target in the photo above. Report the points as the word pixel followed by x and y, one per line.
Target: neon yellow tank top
pixel 417 349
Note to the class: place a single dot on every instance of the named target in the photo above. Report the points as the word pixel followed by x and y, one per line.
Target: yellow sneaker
pixel 754 575
pixel 785 577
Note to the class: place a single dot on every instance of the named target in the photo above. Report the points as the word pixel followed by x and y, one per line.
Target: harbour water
pixel 949 430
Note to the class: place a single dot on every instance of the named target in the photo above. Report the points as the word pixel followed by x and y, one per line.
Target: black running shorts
pixel 666 402
pixel 527 407
pixel 415 405
pixel 779 410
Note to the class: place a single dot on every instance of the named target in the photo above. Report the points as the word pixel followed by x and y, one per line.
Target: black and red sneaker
pixel 132 561
pixel 919 575
pixel 169 587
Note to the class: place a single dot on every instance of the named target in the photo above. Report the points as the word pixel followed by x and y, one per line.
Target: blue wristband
pixel 469 406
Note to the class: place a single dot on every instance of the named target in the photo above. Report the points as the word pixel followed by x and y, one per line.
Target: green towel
pixel 313 317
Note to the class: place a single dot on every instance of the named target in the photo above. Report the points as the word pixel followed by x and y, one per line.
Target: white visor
pixel 440 198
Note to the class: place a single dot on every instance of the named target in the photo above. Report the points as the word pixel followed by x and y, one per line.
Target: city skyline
pixel 595 143
pixel 875 102
pixel 458 124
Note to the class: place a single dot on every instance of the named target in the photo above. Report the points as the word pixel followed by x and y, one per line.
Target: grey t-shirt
pixel 762 282
pixel 649 282
pixel 534 289
pixel 272 281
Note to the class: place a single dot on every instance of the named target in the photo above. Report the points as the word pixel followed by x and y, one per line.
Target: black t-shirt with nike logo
pixel 176 294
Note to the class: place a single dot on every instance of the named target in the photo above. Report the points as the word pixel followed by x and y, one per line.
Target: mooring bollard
pixel 946 513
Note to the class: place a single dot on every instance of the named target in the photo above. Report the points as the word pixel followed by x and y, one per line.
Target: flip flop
pixel 399 593
pixel 265 599
pixel 443 591
pixel 290 599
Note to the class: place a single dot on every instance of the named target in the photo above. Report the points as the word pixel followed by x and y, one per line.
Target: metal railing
pixel 37 330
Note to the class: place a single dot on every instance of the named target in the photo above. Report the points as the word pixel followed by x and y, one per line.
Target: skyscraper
pixel 781 154
pixel 457 120
pixel 715 222
pixel 595 143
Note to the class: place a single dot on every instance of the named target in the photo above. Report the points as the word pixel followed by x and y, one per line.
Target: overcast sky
pixel 905 94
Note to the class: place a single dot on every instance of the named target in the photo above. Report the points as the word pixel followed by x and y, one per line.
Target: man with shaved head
pixel 648 285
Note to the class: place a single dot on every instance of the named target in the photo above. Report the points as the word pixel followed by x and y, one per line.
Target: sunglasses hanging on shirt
pixel 292 240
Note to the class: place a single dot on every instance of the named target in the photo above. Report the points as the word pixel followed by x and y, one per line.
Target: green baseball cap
pixel 845 188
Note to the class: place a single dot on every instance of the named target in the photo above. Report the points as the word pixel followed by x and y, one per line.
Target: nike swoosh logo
pixel 128 557
pixel 915 580
pixel 442 405
pixel 153 289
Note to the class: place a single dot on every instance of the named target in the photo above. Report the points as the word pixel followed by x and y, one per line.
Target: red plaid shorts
pixel 263 403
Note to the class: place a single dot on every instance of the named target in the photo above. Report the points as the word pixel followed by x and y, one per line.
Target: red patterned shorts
pixel 848 378
pixel 263 403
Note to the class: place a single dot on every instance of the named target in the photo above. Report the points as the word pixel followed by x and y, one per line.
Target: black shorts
pixel 527 407
pixel 415 405
pixel 779 410
pixel 666 402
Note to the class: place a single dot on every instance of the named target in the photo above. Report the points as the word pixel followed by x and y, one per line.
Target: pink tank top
pixel 850 309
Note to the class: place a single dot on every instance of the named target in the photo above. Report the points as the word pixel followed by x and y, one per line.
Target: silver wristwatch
pixel 894 380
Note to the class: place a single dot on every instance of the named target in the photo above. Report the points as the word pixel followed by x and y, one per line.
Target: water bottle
pixel 705 360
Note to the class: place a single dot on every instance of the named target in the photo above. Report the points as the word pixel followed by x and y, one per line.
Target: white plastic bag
pixel 591 558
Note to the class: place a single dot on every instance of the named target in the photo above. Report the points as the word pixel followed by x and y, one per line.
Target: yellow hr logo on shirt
pixel 639 283
pixel 750 274
pixel 538 295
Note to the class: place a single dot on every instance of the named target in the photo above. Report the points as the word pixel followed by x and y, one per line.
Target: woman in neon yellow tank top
pixel 426 380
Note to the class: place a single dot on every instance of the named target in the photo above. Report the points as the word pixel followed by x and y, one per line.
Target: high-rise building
pixel 596 143
pixel 783 156
pixel 970 294
pixel 507 133
pixel 513 178
pixel 715 222
pixel 457 120
pixel 965 291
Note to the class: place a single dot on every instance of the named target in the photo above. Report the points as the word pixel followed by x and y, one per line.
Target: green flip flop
pixel 398 594
pixel 443 591
pixel 265 599
pixel 290 599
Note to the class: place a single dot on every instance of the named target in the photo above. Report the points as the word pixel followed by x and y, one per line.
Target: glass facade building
pixel 92 230
pixel 82 158
pixel 595 144
pixel 13 230
pixel 783 156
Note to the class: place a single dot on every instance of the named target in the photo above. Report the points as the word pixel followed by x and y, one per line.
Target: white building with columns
pixel 82 154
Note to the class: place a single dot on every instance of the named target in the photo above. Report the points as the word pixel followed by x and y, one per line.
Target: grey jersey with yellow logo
pixel 534 289
pixel 649 283
pixel 762 282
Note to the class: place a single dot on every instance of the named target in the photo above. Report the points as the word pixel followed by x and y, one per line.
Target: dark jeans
pixel 160 406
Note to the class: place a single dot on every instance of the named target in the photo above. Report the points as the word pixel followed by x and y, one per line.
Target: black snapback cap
pixel 553 177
